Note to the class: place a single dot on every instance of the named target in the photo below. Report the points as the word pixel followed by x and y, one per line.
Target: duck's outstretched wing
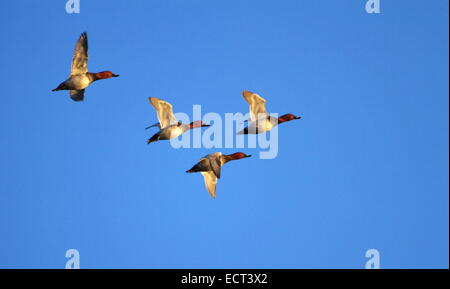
pixel 215 162
pixel 164 111
pixel 210 182
pixel 77 95
pixel 203 165
pixel 80 56
pixel 257 105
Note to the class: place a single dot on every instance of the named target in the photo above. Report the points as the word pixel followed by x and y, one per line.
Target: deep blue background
pixel 366 166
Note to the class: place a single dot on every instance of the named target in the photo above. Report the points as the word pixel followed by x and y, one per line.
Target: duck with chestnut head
pixel 169 126
pixel 210 166
pixel 80 78
pixel 260 120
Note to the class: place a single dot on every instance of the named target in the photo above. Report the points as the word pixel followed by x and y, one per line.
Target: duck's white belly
pixel 171 132
pixel 176 131
pixel 78 81
pixel 269 125
pixel 260 126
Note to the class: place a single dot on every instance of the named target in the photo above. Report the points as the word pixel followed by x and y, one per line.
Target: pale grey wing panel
pixel 273 121
pixel 216 164
pixel 257 105
pixel 164 111
pixel 203 165
pixel 210 182
pixel 77 95
pixel 80 56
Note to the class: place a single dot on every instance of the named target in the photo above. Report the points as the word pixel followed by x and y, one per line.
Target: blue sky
pixel 366 167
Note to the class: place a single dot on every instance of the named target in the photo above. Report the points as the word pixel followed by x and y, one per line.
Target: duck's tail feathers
pixel 244 131
pixel 195 169
pixel 62 86
pixel 153 138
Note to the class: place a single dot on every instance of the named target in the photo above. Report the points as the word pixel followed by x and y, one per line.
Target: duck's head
pixel 237 156
pixel 288 117
pixel 105 74
pixel 198 123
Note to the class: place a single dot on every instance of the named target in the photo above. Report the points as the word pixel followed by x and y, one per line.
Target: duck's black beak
pixel 115 75
pixel 247 156
pixel 298 117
